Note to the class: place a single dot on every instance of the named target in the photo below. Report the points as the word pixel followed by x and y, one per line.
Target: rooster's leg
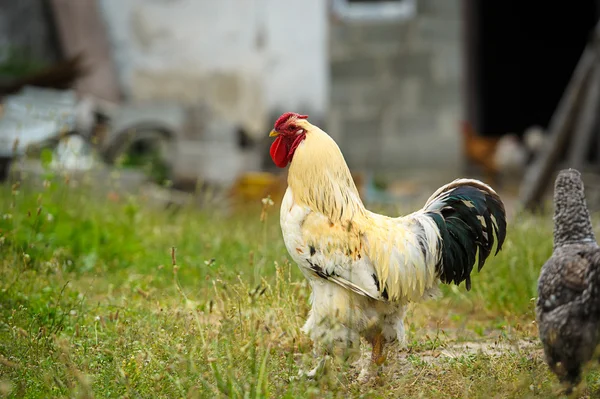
pixel 320 357
pixel 377 356
pixel 317 371
pixel 371 368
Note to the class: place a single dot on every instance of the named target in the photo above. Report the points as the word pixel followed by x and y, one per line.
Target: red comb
pixel 286 117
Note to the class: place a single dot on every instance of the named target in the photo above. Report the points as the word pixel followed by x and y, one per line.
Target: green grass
pixel 93 304
pixel 17 62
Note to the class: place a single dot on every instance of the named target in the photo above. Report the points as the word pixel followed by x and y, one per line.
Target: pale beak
pixel 273 133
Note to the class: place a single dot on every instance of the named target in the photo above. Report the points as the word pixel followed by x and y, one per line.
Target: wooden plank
pixel 81 30
pixel 586 124
pixel 538 176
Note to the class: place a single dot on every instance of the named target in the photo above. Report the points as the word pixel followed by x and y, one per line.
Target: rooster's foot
pixel 316 372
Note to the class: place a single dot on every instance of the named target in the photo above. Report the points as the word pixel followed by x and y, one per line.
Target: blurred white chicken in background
pixel 512 154
pixel 534 139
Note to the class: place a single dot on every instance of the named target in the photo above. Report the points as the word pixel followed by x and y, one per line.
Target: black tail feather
pixel 468 214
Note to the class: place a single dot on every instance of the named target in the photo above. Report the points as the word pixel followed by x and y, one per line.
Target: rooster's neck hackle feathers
pixel 320 178
pixel 572 223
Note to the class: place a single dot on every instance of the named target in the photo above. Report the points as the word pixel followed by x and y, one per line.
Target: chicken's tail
pixel 468 213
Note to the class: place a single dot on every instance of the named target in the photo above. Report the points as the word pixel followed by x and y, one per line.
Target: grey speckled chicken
pixel 568 306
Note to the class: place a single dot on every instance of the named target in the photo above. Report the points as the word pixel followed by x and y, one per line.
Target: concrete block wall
pixel 396 90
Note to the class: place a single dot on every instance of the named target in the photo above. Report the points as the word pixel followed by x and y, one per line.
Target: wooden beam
pixel 587 122
pixel 80 29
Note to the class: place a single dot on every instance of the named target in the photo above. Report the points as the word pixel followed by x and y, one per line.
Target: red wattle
pixel 279 152
pixel 295 144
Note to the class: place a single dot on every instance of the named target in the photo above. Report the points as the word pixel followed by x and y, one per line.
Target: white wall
pixel 248 58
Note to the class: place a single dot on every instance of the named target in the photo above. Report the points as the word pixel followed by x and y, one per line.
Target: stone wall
pixel 247 59
pixel 387 91
pixel 396 90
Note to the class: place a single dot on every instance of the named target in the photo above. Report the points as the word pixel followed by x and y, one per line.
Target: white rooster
pixel 365 268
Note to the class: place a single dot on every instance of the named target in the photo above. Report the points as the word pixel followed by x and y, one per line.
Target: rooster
pixel 365 268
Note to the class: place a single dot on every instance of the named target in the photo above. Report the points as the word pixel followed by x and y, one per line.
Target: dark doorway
pixel 519 59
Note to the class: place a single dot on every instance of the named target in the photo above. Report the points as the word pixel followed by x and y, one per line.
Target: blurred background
pixel 179 95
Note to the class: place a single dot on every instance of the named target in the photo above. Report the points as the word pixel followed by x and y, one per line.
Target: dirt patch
pixel 455 350
pixel 459 349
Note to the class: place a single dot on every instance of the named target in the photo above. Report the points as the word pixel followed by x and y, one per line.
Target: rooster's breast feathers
pixel 372 255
